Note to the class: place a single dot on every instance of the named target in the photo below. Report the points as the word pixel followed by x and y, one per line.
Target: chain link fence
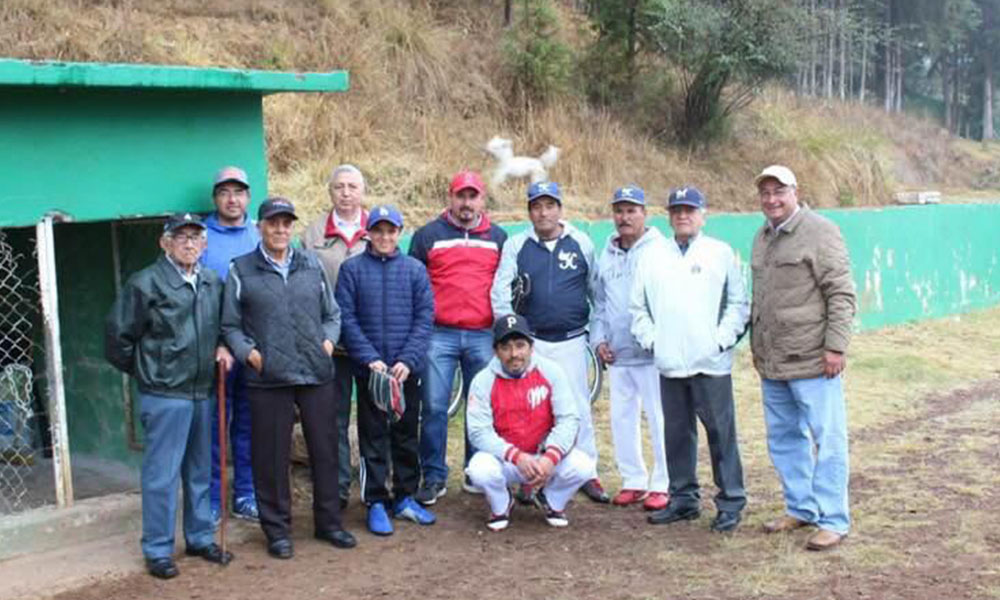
pixel 21 443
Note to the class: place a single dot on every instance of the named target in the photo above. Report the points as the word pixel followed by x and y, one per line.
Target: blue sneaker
pixel 378 519
pixel 216 517
pixel 246 509
pixel 408 508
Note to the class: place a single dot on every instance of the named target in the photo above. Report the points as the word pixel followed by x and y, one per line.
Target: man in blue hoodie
pixel 230 234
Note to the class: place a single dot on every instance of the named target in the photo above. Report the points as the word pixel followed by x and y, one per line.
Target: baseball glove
pixel 387 394
pixel 520 290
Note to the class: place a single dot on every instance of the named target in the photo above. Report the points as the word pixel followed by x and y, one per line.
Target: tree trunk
pixel 899 74
pixel 831 37
pixel 946 76
pixel 842 24
pixel 888 68
pixel 988 96
pixel 813 51
pixel 508 10
pixel 864 65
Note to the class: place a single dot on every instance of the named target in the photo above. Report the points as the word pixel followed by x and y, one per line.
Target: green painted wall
pixel 99 154
pixel 909 262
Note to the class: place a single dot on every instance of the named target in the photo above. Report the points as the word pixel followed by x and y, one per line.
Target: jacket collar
pixel 482 227
pixel 497 368
pixel 212 222
pixel 332 230
pixel 792 222
pixel 651 235
pixel 567 230
pixel 168 270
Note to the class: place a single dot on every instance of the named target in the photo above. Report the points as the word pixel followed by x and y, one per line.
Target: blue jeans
pixel 449 348
pixel 177 447
pixel 807 439
pixel 238 417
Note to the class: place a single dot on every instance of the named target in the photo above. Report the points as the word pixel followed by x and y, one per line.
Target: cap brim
pixel 537 196
pixel 690 203
pixel 373 222
pixel 280 212
pixel 763 176
pixel 630 201
pixel 511 334
pixel 467 186
pixel 232 180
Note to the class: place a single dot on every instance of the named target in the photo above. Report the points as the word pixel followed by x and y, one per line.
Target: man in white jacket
pixel 689 306
pixel 635 382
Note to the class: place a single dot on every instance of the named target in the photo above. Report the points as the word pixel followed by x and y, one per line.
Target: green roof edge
pixel 20 72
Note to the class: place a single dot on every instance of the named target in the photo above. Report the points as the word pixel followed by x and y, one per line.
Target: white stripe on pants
pixel 571 355
pixel 493 475
pixel 634 388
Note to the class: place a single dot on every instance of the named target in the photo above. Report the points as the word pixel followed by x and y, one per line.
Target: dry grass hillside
pixel 428 88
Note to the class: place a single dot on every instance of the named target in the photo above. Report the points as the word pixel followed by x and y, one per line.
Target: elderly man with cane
pixel 163 330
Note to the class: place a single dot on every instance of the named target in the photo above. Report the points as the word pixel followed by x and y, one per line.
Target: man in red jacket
pixel 461 250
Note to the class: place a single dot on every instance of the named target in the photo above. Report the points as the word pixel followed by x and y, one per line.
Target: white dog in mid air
pixel 509 165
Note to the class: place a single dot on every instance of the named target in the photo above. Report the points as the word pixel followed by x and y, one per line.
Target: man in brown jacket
pixel 803 306
pixel 334 237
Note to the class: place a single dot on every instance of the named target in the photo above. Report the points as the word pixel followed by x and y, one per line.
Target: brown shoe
pixel 824 539
pixel 784 523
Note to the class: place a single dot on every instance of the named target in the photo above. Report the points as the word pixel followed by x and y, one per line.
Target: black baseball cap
pixel 276 205
pixel 509 326
pixel 178 220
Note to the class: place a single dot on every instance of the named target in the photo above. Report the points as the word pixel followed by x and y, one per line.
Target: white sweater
pixel 690 309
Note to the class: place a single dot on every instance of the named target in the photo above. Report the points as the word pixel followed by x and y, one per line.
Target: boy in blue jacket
pixel 387 312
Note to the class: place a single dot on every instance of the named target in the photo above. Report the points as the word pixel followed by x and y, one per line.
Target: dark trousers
pixel 343 383
pixel 272 416
pixel 379 440
pixel 710 399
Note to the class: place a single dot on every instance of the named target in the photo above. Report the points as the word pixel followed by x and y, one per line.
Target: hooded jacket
pixel 612 321
pixel 533 413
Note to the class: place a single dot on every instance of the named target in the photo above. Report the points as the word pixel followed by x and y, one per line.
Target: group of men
pixel 347 311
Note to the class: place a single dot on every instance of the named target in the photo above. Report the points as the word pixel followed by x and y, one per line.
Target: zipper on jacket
pixel 197 343
pixel 385 311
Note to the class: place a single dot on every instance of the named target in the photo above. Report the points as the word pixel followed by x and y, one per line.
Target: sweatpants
pixel 381 441
pixel 493 475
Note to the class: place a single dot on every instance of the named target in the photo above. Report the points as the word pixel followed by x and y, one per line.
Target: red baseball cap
pixel 464 180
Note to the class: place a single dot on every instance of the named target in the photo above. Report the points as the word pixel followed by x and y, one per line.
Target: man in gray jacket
pixel 803 306
pixel 163 330
pixel 634 381
pixel 689 307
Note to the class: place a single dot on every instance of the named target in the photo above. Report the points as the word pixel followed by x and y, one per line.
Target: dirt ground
pixel 924 494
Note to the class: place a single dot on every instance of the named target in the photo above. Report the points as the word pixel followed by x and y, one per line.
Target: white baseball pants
pixel 571 355
pixel 493 475
pixel 636 389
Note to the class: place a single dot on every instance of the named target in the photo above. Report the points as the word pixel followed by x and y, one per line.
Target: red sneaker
pixel 656 501
pixel 626 497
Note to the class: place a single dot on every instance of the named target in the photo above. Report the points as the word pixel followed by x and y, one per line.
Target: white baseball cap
pixel 782 173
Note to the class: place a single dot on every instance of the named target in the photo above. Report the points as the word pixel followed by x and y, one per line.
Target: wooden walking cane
pixel 223 449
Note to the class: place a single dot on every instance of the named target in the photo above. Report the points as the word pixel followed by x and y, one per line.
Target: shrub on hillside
pixel 540 65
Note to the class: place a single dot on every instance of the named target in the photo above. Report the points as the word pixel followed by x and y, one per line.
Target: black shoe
pixel 674 513
pixel 429 493
pixel 726 521
pixel 343 502
pixel 212 553
pixel 339 538
pixel 595 491
pixel 162 568
pixel 281 548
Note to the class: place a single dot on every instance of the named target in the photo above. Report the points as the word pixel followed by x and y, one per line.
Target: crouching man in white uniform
pixel 522 419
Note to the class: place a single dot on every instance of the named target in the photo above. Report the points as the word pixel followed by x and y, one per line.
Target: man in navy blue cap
pixel 387 311
pixel 634 381
pixel 689 307
pixel 279 318
pixel 552 266
pixel 163 330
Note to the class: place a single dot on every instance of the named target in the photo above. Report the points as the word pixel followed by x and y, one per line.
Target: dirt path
pixel 924 496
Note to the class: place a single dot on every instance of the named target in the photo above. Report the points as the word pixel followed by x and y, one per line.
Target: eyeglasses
pixel 184 238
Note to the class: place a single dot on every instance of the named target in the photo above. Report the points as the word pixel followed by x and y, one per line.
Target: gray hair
pixel 348 168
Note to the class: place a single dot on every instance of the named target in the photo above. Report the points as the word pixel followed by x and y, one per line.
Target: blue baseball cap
pixel 544 189
pixel 630 193
pixel 386 212
pixel 686 196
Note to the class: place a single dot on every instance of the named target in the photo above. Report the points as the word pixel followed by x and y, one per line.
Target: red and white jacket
pixel 533 413
pixel 461 264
